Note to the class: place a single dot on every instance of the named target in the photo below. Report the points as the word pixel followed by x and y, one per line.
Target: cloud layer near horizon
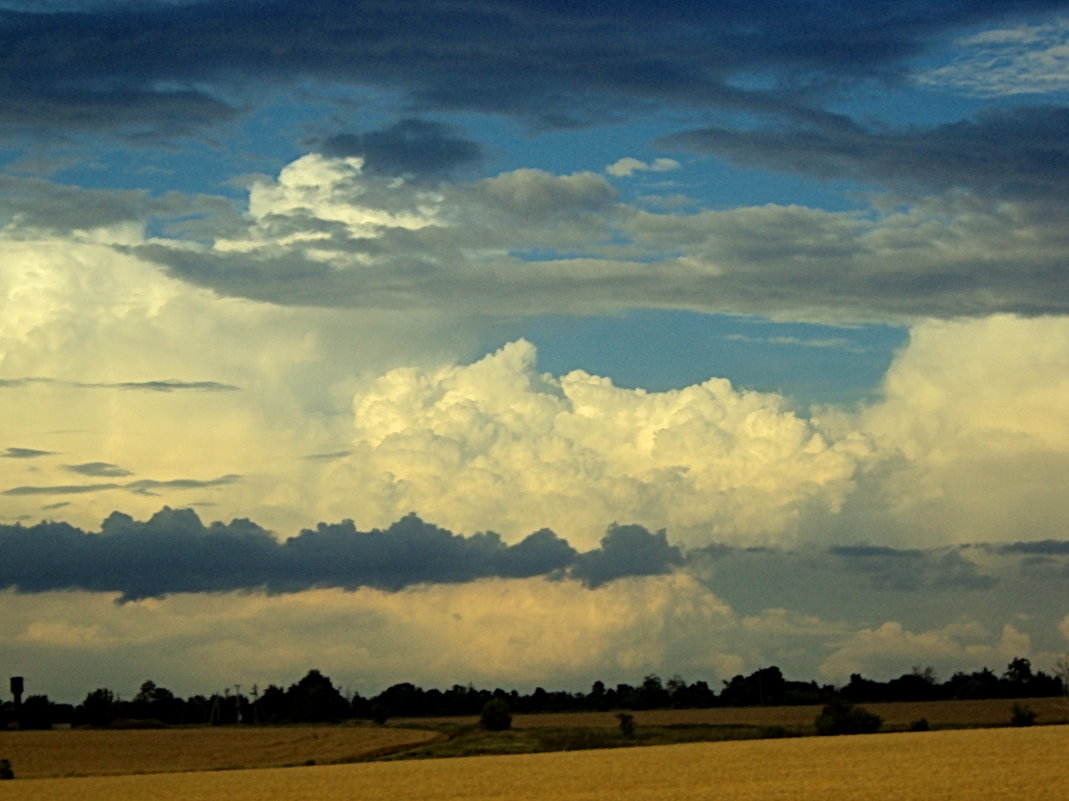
pixel 173 552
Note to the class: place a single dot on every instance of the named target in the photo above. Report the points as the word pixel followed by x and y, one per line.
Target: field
pixel 1025 764
pixel 101 752
pixel 988 712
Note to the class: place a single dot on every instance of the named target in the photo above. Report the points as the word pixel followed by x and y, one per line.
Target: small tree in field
pixel 496 716
pixel 627 724
pixel 5 770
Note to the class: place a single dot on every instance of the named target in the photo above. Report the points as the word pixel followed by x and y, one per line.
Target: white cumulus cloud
pixel 498 444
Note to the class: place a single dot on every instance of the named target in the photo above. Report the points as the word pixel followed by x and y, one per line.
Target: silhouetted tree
pixel 153 702
pixel 36 713
pixel 315 699
pixel 98 708
pixel 764 687
pixel 596 698
pixel 651 694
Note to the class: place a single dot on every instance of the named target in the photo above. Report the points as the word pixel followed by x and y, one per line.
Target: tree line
pixel 315 698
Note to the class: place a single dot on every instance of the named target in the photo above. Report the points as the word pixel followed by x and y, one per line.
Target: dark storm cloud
pixel 1020 152
pixel 627 551
pixel 912 569
pixel 155 70
pixel 175 552
pixel 1040 547
pixel 1043 560
pixel 24 453
pixel 411 148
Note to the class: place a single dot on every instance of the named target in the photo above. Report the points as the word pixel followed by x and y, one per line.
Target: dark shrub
pixel 842 717
pixel 380 713
pixel 1022 715
pixel 627 724
pixel 921 724
pixel 5 770
pixel 496 716
pixel 775 732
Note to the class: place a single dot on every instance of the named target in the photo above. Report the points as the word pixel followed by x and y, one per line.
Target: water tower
pixel 16 691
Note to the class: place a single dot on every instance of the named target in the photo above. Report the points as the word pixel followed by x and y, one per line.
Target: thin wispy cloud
pixel 834 344
pixel 141 486
pixel 1021 60
pixel 168 385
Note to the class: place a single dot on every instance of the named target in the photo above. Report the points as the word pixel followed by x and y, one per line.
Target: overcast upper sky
pixel 530 343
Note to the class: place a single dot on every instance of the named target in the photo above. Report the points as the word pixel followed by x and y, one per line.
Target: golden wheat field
pixel 99 752
pixel 1025 764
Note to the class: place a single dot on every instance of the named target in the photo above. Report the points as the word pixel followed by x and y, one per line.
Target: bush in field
pixel 842 717
pixel 921 724
pixel 496 716
pixel 627 724
pixel 380 713
pixel 5 770
pixel 1022 715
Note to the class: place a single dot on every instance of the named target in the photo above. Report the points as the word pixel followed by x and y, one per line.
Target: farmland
pixel 98 752
pixel 964 765
pixel 101 752
pixel 985 712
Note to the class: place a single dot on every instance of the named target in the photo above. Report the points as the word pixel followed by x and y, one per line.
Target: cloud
pixel 912 569
pixel 1018 152
pixel 416 601
pixel 61 489
pixel 999 62
pixel 24 453
pixel 626 167
pixel 527 242
pixel 1045 547
pixel 492 632
pixel 98 469
pixel 130 68
pixel 959 643
pixel 496 632
pixel 978 442
pixel 497 441
pixel 627 551
pixel 142 486
pixel 173 552
pixel 169 385
pixel 834 343
pixel 106 359
pixel 412 148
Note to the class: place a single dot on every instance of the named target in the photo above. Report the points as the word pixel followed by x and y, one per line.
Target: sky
pixel 527 343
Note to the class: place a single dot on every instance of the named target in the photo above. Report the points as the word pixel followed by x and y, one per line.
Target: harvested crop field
pixel 102 752
pixel 987 712
pixel 964 765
